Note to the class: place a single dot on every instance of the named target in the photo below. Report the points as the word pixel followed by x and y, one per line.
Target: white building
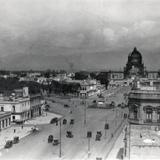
pixel 18 105
pixel 5 120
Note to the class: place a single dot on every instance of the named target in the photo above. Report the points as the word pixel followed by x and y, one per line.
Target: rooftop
pixel 144 139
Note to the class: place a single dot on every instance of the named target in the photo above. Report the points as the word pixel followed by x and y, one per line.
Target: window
pixel 2 123
pixel 2 109
pixel 9 121
pixel 13 109
pixel 149 116
pixel 13 117
pixel 135 114
pixel 158 116
pixel 6 122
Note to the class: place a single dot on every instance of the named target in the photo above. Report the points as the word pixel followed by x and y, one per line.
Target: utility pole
pixel 84 101
pixel 85 112
pixel 60 152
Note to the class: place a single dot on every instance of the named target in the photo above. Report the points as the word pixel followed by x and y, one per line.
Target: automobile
pixel 34 129
pixel 55 142
pixel 50 138
pixel 54 120
pixel 64 121
pixel 69 134
pixel 72 121
pixel 66 106
pixel 8 144
pixel 53 101
pixel 15 140
pixel 99 133
pixel 98 137
pixel 47 107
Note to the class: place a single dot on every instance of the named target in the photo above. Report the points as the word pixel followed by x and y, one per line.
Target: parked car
pixel 53 101
pixel 15 140
pixel 55 142
pixel 47 107
pixel 98 137
pixel 72 121
pixel 34 129
pixel 66 106
pixel 54 120
pixel 8 144
pixel 64 121
pixel 50 138
pixel 99 133
pixel 69 134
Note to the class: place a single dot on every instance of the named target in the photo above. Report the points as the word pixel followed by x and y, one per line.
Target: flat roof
pixel 144 142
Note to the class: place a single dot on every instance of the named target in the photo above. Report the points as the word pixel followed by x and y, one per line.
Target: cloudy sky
pixel 80 27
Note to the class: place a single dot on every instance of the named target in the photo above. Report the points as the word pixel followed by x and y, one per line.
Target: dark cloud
pixel 81 27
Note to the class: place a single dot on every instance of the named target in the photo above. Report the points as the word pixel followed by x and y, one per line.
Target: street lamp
pixel 106 127
pixel 60 135
pixel 84 102
pixel 89 136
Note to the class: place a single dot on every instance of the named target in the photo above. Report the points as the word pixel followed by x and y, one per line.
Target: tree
pixel 82 75
pixel 103 78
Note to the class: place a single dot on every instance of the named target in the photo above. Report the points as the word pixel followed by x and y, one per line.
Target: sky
pixel 73 27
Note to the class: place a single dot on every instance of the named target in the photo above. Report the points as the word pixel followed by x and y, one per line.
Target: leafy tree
pixel 82 75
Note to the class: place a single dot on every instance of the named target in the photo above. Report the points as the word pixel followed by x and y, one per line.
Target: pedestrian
pixel 112 135
pixel 140 135
pixel 14 130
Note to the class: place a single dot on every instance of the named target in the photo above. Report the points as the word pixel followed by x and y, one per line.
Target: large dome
pixel 135 53
pixel 134 65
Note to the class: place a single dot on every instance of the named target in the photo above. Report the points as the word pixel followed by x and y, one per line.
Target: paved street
pixel 35 146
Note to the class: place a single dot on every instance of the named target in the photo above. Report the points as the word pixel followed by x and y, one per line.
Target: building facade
pixel 36 105
pixel 144 103
pixel 5 120
pixel 134 68
pixel 18 103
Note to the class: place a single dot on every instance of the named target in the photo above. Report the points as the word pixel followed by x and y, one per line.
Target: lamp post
pixel 60 148
pixel 85 112
pixel 89 136
pixel 106 127
pixel 84 102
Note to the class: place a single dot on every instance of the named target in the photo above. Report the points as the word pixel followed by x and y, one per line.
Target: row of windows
pixel 5 123
pixel 148 116
pixel 25 103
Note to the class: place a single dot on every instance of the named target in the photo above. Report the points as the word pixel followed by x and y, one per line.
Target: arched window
pixel 135 113
pixel 149 111
pixel 158 114
pixel 2 109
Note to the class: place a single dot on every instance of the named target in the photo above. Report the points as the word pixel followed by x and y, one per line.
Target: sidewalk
pixel 119 144
pixel 18 130
pixel 44 119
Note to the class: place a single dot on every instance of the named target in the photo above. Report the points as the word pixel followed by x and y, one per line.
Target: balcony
pixel 153 95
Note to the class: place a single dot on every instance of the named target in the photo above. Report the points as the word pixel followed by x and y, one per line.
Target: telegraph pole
pixel 60 152
pixel 85 112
